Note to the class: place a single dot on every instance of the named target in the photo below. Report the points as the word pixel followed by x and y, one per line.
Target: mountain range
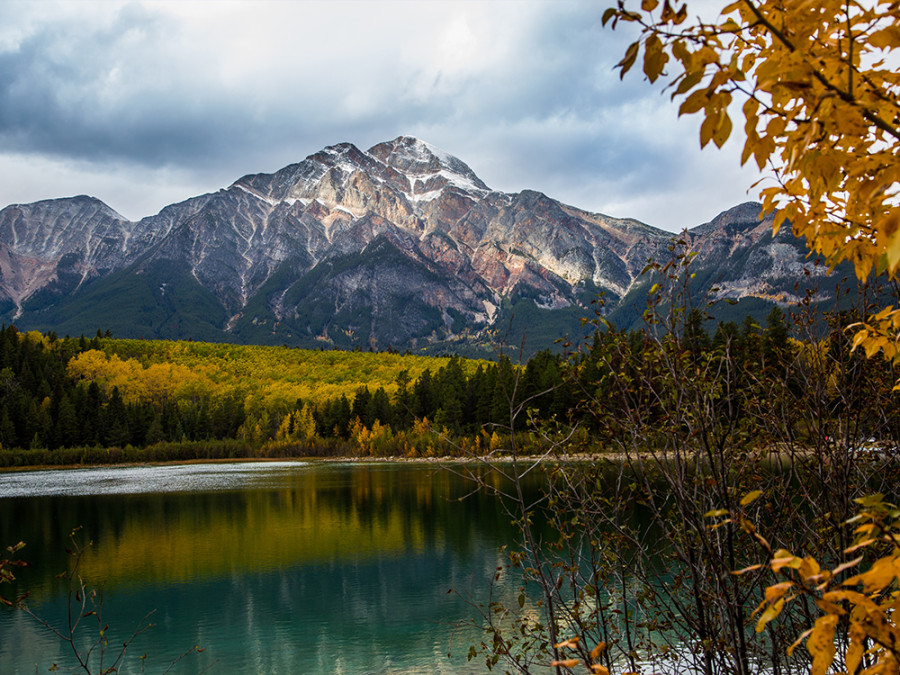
pixel 401 245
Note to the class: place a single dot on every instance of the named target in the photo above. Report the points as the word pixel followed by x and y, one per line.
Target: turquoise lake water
pixel 277 567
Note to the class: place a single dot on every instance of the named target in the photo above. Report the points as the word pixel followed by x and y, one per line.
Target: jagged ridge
pixel 398 245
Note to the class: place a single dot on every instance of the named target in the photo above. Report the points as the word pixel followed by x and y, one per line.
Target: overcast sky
pixel 143 104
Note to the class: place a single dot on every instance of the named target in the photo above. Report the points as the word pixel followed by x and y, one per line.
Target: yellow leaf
pixel 751 497
pixel 880 575
pixel 798 641
pixel 683 54
pixel 886 38
pixel 847 565
pixel 669 14
pixel 649 5
pixel 747 152
pixel 630 57
pixel 809 567
pixel 607 15
pixel 821 644
pixel 883 314
pixel 830 607
pixel 654 58
pixel 856 649
pixel 776 591
pixel 723 131
pixel 751 568
pixel 694 103
pixel 782 559
pixel 879 627
pixel 708 127
pixel 852 597
pixel 751 109
pixel 567 663
pixel 859 338
pixel 892 251
pixel 771 612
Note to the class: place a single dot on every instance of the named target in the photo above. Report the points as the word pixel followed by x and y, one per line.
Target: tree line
pixel 60 393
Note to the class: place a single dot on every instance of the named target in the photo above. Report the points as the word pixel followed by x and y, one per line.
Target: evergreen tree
pixel 695 338
pixel 8 437
pixel 380 407
pixel 362 406
pixel 775 338
pixel 116 429
pixel 504 394
pixel 423 396
pixel 403 402
pixel 67 433
pixel 91 415
pixel 725 337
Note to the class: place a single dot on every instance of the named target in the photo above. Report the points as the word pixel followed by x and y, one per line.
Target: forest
pixel 78 400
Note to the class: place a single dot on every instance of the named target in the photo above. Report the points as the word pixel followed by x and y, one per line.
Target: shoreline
pixel 774 452
pixel 344 459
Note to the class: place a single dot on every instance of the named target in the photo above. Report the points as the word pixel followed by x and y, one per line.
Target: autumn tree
pixel 817 84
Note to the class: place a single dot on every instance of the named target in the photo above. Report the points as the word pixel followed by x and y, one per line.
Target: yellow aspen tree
pixel 866 601
pixel 305 423
pixel 89 365
pixel 285 429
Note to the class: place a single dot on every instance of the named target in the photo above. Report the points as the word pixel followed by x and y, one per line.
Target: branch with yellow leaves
pixel 822 113
pixel 864 604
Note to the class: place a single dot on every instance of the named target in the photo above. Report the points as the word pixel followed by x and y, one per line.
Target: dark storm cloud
pixel 120 90
pixel 525 92
pixel 82 94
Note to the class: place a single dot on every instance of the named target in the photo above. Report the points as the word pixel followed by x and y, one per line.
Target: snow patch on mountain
pixel 253 193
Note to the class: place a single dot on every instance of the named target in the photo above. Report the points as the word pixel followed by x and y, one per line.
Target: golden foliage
pixel 299 425
pixel 138 384
pixel 373 441
pixel 867 614
pixel 264 378
pixel 819 83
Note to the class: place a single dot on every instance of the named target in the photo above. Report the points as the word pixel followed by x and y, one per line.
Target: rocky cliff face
pixel 750 261
pixel 399 245
pixel 51 247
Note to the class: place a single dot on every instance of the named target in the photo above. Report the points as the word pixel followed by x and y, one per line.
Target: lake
pixel 270 567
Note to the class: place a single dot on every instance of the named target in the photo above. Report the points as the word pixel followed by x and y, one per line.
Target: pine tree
pixel 117 433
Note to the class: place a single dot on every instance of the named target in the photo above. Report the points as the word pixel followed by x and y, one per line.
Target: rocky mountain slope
pixel 401 245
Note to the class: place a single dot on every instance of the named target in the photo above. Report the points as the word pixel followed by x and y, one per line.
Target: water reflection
pixel 289 568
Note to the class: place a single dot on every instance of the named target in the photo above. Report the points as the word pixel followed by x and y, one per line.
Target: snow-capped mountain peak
pixel 428 168
pixel 401 244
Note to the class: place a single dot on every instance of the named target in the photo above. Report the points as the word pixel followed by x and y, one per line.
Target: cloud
pixel 166 97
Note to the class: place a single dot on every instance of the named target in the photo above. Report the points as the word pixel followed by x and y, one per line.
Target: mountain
pixel 401 245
